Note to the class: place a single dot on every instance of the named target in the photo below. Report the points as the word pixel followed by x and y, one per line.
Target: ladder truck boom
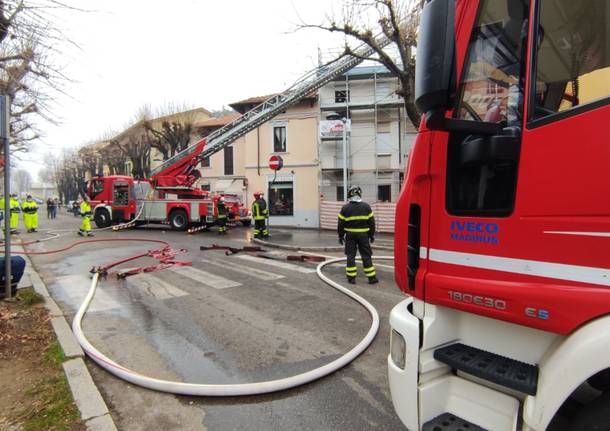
pixel 178 171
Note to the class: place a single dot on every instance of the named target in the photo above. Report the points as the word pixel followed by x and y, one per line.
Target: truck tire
pixel 102 218
pixel 601 381
pixel 246 223
pixel 178 219
pixel 595 416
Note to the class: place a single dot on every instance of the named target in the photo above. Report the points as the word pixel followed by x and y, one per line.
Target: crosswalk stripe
pixel 207 278
pixel 278 264
pixel 155 286
pixel 251 272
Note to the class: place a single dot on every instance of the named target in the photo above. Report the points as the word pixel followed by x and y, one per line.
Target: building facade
pixel 379 141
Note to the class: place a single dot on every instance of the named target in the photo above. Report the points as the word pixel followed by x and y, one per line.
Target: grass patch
pixel 53 355
pixel 29 296
pixel 53 408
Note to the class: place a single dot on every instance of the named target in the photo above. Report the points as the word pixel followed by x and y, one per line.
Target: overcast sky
pixel 200 53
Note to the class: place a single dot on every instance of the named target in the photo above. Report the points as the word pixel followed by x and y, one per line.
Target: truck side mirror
pixel 435 65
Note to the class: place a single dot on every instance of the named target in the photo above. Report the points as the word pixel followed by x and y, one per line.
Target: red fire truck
pixel 502 239
pixel 168 197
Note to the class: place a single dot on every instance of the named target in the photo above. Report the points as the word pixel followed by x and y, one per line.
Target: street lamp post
pixel 344 121
pixel 4 135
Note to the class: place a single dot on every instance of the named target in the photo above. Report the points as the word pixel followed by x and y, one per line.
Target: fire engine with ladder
pixel 169 196
pixel 502 238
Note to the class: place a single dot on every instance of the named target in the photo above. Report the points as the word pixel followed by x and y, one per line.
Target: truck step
pixel 489 366
pixel 450 422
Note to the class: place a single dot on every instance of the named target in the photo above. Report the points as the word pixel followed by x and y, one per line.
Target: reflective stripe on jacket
pixel 356 217
pixel 85 209
pixel 259 209
pixel 30 207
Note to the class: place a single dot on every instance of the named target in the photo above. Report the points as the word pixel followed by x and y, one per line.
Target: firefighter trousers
pixel 260 228
pixel 358 242
pixel 222 225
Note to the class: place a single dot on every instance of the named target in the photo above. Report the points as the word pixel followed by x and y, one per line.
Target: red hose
pixel 85 241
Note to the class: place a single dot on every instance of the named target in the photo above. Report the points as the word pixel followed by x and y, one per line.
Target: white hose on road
pixel 224 390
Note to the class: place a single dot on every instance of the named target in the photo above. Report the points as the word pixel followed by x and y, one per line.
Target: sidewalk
pixel 93 409
pixel 315 240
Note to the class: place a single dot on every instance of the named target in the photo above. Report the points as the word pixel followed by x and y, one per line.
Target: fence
pixel 384 215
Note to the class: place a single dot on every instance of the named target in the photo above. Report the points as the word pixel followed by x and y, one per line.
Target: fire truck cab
pixel 502 239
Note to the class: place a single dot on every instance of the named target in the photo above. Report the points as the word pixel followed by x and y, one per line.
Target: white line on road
pixel 154 286
pixel 250 272
pixel 278 264
pixel 207 278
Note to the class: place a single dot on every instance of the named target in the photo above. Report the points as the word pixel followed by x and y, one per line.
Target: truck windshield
pixel 493 78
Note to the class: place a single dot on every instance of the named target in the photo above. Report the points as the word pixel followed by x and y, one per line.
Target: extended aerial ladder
pixel 179 172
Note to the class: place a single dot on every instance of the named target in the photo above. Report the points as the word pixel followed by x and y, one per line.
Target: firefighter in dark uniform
pixel 222 216
pixel 260 213
pixel 356 229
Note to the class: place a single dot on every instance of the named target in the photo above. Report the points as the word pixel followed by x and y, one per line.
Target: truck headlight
pixel 398 350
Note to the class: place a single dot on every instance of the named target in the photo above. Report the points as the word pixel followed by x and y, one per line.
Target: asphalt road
pixel 228 319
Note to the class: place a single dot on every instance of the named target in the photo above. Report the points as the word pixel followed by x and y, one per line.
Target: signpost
pixel 4 135
pixel 275 164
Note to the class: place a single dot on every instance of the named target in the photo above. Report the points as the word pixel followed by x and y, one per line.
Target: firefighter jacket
pixel 85 209
pixel 29 207
pixel 15 208
pixel 259 209
pixel 356 217
pixel 222 210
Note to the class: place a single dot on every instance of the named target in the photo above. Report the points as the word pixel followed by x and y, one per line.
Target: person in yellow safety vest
pixel 15 209
pixel 356 229
pixel 30 214
pixel 85 213
pixel 260 215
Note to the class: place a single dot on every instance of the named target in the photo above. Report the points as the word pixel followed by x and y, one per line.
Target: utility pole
pixel 4 135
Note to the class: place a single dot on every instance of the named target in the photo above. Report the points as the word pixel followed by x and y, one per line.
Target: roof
pixel 216 122
pixel 252 102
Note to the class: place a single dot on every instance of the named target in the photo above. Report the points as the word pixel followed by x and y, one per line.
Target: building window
pixel 341 96
pixel 279 139
pixel 205 162
pixel 384 193
pixel 228 160
pixel 205 187
pixel 281 198
pixel 339 193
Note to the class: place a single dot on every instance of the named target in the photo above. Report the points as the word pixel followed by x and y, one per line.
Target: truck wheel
pixel 178 220
pixel 102 218
pixel 595 416
pixel 600 381
pixel 246 222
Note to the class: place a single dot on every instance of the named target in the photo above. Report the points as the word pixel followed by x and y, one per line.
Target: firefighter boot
pixel 81 233
pixel 351 280
pixel 373 280
pixel 90 234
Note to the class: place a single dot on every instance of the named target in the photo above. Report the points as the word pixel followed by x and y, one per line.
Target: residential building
pixel 291 193
pixel 380 139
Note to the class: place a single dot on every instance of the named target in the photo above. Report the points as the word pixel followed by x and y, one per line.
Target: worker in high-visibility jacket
pixel 85 213
pixel 356 229
pixel 30 214
pixel 15 209
pixel 260 213
pixel 222 216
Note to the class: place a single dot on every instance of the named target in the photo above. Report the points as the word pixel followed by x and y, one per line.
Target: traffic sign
pixel 275 162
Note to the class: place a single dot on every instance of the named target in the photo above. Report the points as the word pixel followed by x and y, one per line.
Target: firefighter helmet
pixel 354 191
pixel 258 194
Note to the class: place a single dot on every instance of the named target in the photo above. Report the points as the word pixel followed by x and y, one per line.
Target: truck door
pixel 120 201
pixel 475 173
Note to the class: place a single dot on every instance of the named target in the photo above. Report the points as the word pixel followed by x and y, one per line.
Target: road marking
pixel 250 272
pixel 155 286
pixel 278 264
pixel 207 278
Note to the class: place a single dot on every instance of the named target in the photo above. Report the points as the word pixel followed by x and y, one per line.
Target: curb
pixel 300 248
pixel 93 409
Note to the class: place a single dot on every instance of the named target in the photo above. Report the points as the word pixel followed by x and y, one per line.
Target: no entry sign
pixel 275 162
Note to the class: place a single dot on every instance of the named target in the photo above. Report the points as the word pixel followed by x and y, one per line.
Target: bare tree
pixel 29 74
pixel 171 138
pixel 398 21
pixel 22 181
pixel 91 159
pixel 114 157
pixel 137 147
